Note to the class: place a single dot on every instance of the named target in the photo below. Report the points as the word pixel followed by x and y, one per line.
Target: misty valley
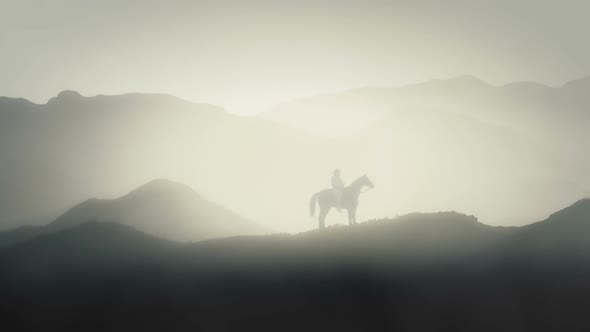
pixel 418 272
pixel 305 166
pixel 149 212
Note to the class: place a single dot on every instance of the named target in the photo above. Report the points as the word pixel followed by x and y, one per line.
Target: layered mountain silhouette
pixel 512 105
pixel 520 141
pixel 74 147
pixel 440 236
pixel 162 208
pixel 56 152
pixel 508 154
pixel 413 272
pixel 166 209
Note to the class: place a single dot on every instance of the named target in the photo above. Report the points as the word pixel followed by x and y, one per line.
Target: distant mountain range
pixel 520 105
pixel 162 208
pixel 518 146
pixel 57 154
pixel 509 154
pixel 74 147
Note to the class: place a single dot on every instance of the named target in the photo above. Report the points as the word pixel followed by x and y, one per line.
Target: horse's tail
pixel 312 204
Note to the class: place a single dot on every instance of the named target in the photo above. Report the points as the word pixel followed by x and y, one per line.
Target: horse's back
pixel 326 193
pixel 326 196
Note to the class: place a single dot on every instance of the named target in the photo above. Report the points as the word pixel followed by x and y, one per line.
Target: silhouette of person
pixel 338 187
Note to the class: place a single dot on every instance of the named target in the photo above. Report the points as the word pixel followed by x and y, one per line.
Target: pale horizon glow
pixel 255 107
pixel 247 56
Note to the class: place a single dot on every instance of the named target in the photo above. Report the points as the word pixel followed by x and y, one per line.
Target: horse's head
pixel 367 182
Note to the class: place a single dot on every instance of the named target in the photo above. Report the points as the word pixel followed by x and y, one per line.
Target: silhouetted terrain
pixel 74 148
pixel 419 272
pixel 161 207
pixel 525 106
pixel 330 166
pixel 514 148
pixel 519 141
pixel 54 153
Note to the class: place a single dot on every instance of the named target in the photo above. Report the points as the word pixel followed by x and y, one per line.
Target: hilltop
pixel 160 207
pixel 417 270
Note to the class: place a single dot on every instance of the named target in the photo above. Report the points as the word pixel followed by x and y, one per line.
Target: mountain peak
pixel 459 82
pixel 164 187
pixel 163 208
pixel 582 83
pixel 465 80
pixel 69 94
pixel 65 96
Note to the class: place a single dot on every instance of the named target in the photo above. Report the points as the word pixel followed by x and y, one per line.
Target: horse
pixel 349 200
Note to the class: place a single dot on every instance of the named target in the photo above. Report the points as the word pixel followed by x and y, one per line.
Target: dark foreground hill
pixel 421 272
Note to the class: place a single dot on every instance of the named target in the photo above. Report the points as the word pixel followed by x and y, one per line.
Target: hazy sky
pixel 248 55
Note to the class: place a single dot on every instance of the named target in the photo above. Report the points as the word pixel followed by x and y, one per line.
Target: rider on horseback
pixel 334 197
pixel 338 187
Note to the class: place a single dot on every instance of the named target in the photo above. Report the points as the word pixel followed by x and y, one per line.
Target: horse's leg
pixel 349 217
pixel 352 216
pixel 323 212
